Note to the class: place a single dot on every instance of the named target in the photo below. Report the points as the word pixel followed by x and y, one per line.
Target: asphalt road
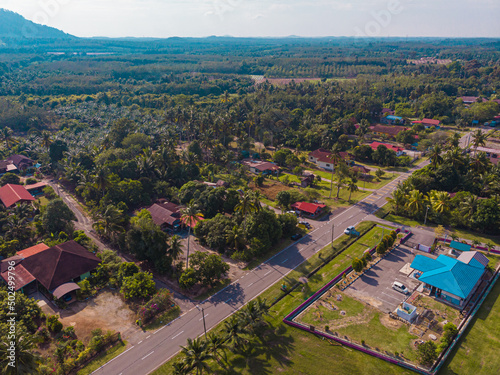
pixel 157 347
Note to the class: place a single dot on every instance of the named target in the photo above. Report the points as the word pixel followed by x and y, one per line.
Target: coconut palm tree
pixel 6 137
pixel 190 217
pixel 216 346
pixel 235 237
pixel 435 156
pixel 468 206
pixel 180 368
pixel 397 200
pixel 175 249
pixel 234 331
pixel 454 140
pixel 352 186
pixel 101 179
pixel 109 222
pixel 25 361
pixel 245 206
pixel 440 201
pixel 416 202
pixel 478 139
pixel 455 158
pixel 196 355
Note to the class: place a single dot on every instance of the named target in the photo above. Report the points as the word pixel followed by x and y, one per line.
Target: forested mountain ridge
pixel 14 28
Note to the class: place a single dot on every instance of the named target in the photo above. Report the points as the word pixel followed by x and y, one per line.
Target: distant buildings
pixel 388 131
pixel 398 150
pixel 324 158
pixel 427 122
pixel 264 167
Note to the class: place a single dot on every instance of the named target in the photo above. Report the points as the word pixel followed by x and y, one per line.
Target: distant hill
pixel 15 29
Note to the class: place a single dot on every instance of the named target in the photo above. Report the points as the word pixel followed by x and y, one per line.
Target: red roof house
pixel 391 131
pixel 166 214
pixel 308 209
pixel 13 194
pixel 398 150
pixel 430 122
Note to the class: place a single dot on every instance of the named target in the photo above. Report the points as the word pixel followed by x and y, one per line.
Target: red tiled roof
pixel 374 146
pixel 261 165
pixel 326 156
pixel 22 276
pixel 12 194
pixel 310 208
pixel 35 186
pixel 60 264
pixel 429 121
pixel 391 130
pixel 32 250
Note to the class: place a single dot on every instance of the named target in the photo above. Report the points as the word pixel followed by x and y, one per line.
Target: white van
pixel 396 285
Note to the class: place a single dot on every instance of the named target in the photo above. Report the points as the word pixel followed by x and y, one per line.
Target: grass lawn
pixel 43 201
pixel 163 319
pixel 294 351
pixel 103 358
pixel 477 352
pixel 369 185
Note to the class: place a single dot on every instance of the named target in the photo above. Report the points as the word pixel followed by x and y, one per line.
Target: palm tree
pixel 335 156
pixel 440 201
pixel 196 355
pixel 455 158
pixel 101 179
pixel 235 237
pixel 397 200
pixel 45 139
pixel 25 361
pixel 478 139
pixel 109 222
pixel 480 163
pixel 245 206
pixel 352 186
pixel 175 249
pixel 415 202
pixel 454 140
pixel 435 156
pixel 180 368
pixel 6 137
pixel 468 206
pixel 190 217
pixel 233 330
pixel 216 345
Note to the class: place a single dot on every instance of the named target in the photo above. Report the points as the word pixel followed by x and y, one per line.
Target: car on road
pixel 296 236
pixel 396 285
pixel 306 224
pixel 349 230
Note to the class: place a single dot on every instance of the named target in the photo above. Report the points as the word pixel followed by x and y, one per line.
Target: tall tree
pixel 196 355
pixel 246 205
pixel 190 217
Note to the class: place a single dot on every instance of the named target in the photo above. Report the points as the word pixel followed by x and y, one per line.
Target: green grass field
pixel 103 358
pixel 388 177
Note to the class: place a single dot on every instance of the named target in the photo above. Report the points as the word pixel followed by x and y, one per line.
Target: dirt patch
pixel 106 311
pixel 270 189
pixel 390 323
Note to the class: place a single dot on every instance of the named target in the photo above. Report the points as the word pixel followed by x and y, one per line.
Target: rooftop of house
pixel 165 213
pixel 374 146
pixel 451 275
pixel 310 208
pixel 391 130
pixel 53 266
pixel 35 186
pixel 20 159
pixel 392 117
pixel 11 194
pixel 261 165
pixel 326 156
pixel 430 121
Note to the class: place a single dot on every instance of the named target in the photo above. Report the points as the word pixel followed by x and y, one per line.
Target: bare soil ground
pixel 106 311
pixel 270 189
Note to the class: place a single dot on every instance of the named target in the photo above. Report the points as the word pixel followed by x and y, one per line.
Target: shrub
pixel 427 353
pixel 30 181
pixel 357 265
pixel 367 256
pixel 53 324
pixel 381 248
pixel 394 235
pixel 159 303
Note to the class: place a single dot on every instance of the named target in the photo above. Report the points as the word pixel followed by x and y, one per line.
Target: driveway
pixel 375 286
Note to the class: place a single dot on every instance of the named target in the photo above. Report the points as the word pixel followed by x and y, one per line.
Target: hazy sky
pixel 164 18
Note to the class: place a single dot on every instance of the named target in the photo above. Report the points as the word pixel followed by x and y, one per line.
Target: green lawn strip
pixel 291 178
pixel 477 351
pixel 369 185
pixel 43 201
pixel 103 358
pixel 349 305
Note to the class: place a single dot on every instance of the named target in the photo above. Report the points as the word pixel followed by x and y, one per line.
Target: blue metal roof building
pixel 453 280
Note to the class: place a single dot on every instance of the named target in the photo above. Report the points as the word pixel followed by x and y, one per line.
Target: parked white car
pixel 396 285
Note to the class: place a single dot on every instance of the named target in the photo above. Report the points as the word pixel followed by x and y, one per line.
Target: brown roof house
pixel 11 194
pixel 56 268
pixel 389 131
pixel 167 215
pixel 264 167
pixel 21 162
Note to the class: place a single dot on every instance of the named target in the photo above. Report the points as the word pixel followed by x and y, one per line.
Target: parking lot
pixel 374 287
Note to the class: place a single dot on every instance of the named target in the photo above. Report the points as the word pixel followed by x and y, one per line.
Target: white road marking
pixel 146 356
pixel 158 330
pixel 202 317
pixel 284 261
pixel 251 284
pixel 139 342
pixel 181 332
pixel 148 337
pixel 268 272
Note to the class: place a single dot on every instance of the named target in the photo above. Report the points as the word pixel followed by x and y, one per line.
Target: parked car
pixel 349 230
pixel 396 285
pixel 306 224
pixel 295 237
pixel 292 213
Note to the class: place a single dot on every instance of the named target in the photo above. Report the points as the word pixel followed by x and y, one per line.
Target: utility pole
pixel 426 211
pixel 204 325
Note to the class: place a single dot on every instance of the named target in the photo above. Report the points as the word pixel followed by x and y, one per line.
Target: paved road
pixel 157 347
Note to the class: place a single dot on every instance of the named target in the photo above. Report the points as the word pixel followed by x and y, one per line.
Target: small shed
pixel 460 246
